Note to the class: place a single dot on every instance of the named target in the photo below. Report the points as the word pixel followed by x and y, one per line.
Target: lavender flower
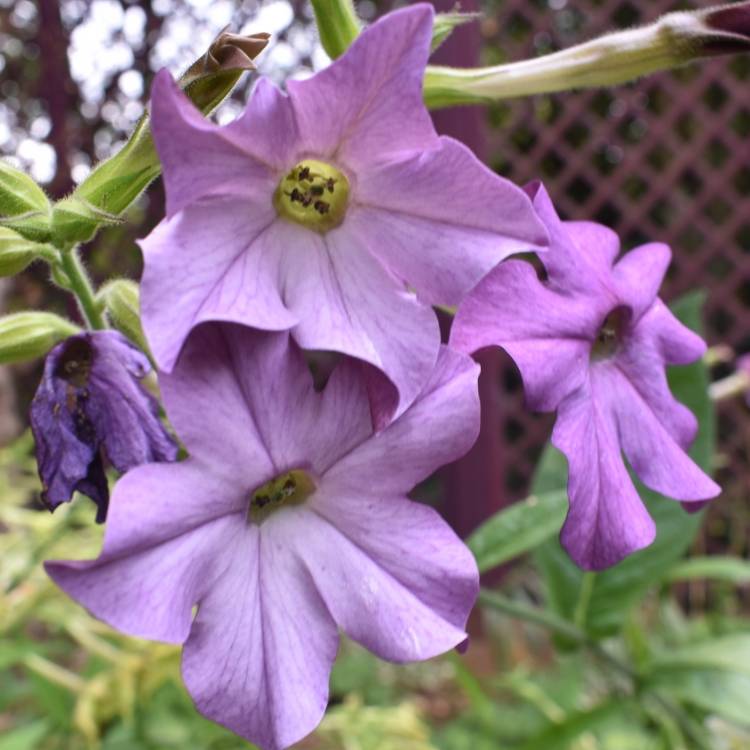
pixel 288 521
pixel 90 399
pixel 319 212
pixel 592 342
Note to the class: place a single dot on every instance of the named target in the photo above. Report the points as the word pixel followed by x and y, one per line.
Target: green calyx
pixel 313 194
pixel 292 488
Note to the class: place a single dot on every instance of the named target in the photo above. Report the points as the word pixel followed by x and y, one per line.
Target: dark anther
pixel 304 173
pixel 295 195
pixel 289 485
pixel 262 500
pixel 330 182
pixel 317 190
pixel 306 200
pixel 321 207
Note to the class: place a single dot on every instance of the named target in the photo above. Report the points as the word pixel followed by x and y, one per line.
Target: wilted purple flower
pixel 335 212
pixel 288 521
pixel 592 342
pixel 90 399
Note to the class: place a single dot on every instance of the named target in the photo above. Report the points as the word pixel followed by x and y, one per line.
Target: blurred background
pixel 667 159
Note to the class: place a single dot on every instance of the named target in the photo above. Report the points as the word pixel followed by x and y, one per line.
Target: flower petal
pixel 218 261
pixel 262 644
pixel 372 605
pixel 346 302
pixel 547 332
pixel 639 275
pixel 658 460
pixel 607 520
pixel 198 159
pixel 411 543
pixel 641 358
pixel 256 399
pixel 367 106
pixel 166 542
pixel 440 426
pixel 440 220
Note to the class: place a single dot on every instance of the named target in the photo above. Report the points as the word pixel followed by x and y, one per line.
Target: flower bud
pixel 446 23
pixel 16 252
pixel 24 206
pixel 117 182
pixel 28 335
pixel 122 303
pixel 674 40
pixel 338 25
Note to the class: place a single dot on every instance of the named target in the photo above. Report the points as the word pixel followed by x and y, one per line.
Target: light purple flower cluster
pixel 332 218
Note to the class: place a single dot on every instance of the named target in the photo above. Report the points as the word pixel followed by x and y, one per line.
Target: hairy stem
pixel 80 285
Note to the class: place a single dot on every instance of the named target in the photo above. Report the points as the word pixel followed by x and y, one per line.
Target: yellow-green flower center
pixel 291 488
pixel 313 194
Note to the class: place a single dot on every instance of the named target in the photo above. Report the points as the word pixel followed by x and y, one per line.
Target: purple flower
pixel 289 520
pixel 90 398
pixel 592 342
pixel 335 212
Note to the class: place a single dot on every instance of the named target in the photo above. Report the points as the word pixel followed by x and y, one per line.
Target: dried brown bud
pixel 229 52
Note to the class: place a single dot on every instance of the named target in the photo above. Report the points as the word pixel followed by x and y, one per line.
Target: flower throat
pixel 313 194
pixel 291 488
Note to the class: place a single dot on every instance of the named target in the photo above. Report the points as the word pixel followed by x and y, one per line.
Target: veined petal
pixel 257 396
pixel 607 520
pixel 367 106
pixel 440 220
pixel 639 274
pixel 346 301
pixel 658 460
pixel 548 333
pixel 440 426
pixel 218 261
pixel 166 542
pixel 641 360
pixel 262 645
pixel 198 159
pixel 410 543
pixel 369 603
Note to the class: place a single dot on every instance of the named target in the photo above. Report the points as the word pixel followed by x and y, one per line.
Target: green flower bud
pixel 24 206
pixel 117 182
pixel 16 252
pixel 28 335
pixel 121 301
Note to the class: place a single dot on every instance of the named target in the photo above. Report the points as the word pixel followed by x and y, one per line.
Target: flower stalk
pixel 674 40
pixel 337 24
pixel 80 286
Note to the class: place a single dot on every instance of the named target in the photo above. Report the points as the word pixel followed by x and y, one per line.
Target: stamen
pixel 298 197
pixel 291 488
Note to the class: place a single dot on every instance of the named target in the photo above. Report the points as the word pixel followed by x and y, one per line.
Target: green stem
pixel 81 287
pixel 338 25
pixel 584 599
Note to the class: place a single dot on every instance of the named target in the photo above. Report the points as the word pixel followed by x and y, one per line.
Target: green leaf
pixel 518 529
pixel 19 194
pixel 24 738
pixel 714 691
pixel 729 652
pixel 560 736
pixel 615 591
pixel 713 675
pixel 719 568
